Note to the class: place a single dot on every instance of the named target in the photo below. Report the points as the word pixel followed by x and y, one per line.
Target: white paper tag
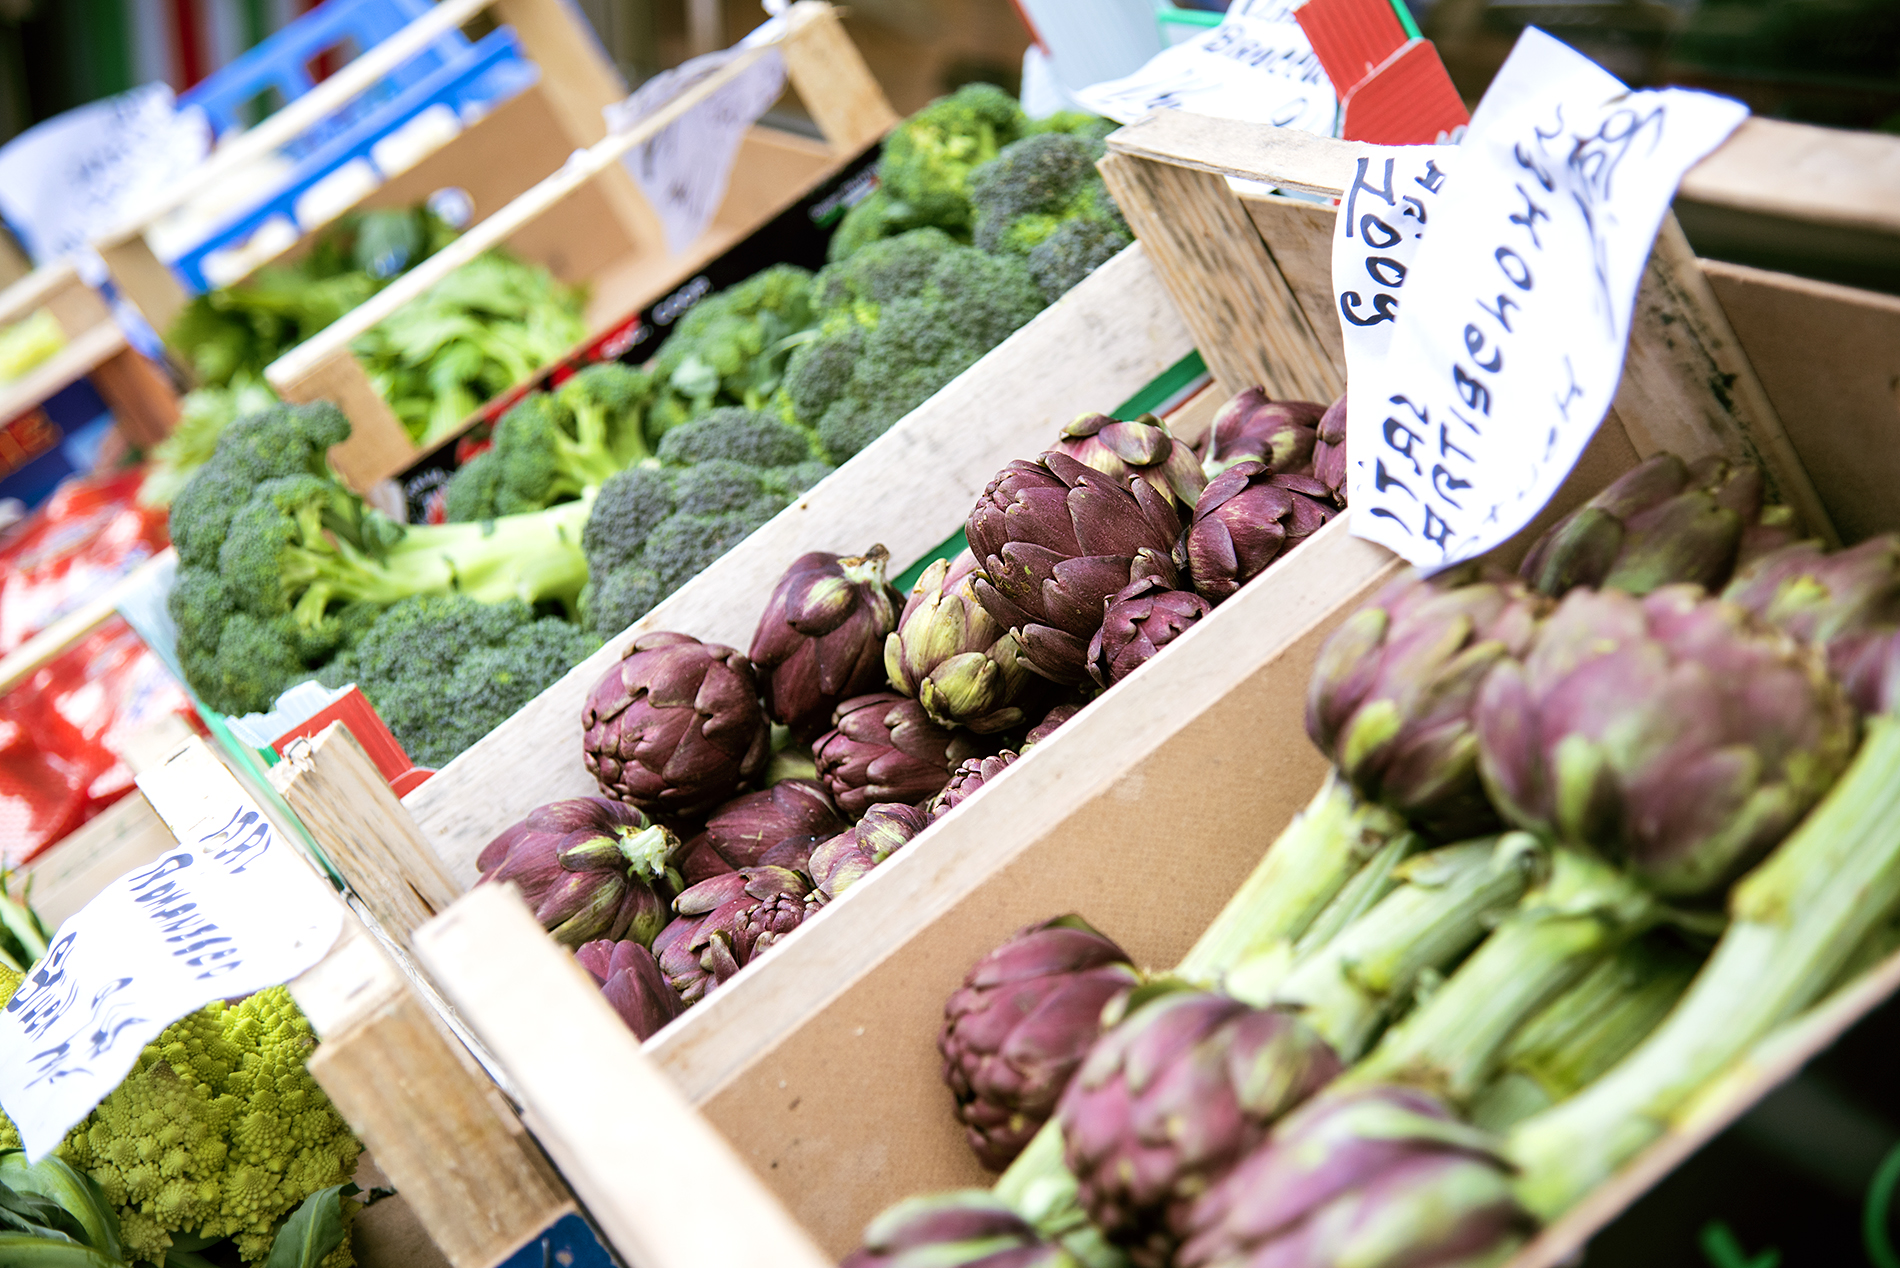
pixel 685 167
pixel 1508 349
pixel 1257 65
pixel 231 913
pixel 81 173
pixel 1395 193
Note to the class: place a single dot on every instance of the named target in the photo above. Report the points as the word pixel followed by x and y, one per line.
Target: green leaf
pixel 312 1231
pixel 27 1250
pixel 75 1192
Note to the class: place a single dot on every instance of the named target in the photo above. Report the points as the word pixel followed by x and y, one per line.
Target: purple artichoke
pixel 1384 1177
pixel 1392 691
pixel 1663 521
pixel 964 781
pixel 821 637
pixel 953 656
pixel 1329 450
pixel 631 980
pixel 742 830
pixel 1144 448
pixel 966 1229
pixel 1141 620
pixel 1023 1020
pixel 1054 540
pixel 1171 1098
pixel 1847 603
pixel 1247 518
pixel 1252 428
pixel 1673 734
pixel 675 727
pixel 1050 722
pixel 837 864
pixel 884 747
pixel 726 921
pixel 588 867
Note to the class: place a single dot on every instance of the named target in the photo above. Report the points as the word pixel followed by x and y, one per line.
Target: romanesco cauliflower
pixel 218 1132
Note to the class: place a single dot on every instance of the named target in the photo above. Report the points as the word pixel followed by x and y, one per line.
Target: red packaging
pixel 91 532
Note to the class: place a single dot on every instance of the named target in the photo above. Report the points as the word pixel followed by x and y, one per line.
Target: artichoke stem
pixel 1452 1045
pixel 1347 988
pixel 1039 1187
pixel 1304 869
pixel 1589 1028
pixel 1795 921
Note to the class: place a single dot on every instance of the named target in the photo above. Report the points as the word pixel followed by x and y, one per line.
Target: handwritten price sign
pixel 1506 351
pixel 1256 65
pixel 231 913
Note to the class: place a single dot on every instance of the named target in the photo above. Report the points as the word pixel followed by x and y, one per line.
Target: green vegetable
pixel 554 446
pixel 1041 199
pixel 479 331
pixel 901 318
pixel 280 566
pixel 240 1132
pixel 731 348
pixel 444 670
pixel 27 343
pixel 928 159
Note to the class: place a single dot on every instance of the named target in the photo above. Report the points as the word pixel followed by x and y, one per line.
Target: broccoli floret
pixel 882 272
pixel 472 490
pixel 284 440
pixel 620 598
pixel 1035 192
pixel 445 670
pixel 789 482
pixel 630 506
pixel 820 371
pixel 718 485
pixel 551 447
pixel 682 546
pixel 752 437
pixel 608 400
pixel 731 348
pixel 928 159
pixel 868 222
pixel 218 1131
pixel 1089 127
pixel 299 549
pixel 910 346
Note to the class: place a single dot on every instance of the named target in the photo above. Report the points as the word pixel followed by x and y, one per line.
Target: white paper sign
pixel 1395 193
pixel 231 913
pixel 1256 65
pixel 1509 346
pixel 685 167
pixel 81 173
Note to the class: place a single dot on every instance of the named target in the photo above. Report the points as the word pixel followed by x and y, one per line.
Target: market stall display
pixel 589 224
pixel 1206 763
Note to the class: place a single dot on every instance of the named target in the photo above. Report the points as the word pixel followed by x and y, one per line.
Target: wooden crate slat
pixel 1246 321
pixel 1301 234
pixel 576 73
pixel 1829 359
pixel 1826 176
pixel 1106 339
pixel 336 790
pixel 599 1103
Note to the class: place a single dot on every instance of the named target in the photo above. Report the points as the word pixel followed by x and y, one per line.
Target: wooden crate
pixel 818 1064
pixel 495 159
pixel 588 223
pixel 138 393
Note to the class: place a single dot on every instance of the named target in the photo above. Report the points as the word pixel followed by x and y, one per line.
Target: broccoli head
pixel 684 544
pixel 630 506
pixel 284 440
pixel 300 561
pixel 218 1131
pixel 445 670
pixel 1038 190
pixel 967 303
pixel 730 349
pixel 928 158
pixel 471 492
pixel 553 446
pixel 752 437
pixel 884 271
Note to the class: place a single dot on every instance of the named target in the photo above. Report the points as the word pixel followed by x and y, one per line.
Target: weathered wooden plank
pixel 1246 321
pixel 599 1104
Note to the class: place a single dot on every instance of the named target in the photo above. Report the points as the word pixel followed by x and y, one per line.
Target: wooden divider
pixel 493 158
pixel 588 223
pixel 138 393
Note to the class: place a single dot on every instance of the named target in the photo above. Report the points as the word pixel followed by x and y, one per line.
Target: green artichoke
pixel 821 637
pixel 1846 603
pixel 1144 448
pixel 588 867
pixel 952 656
pixel 1672 734
pixel 1392 690
pixel 966 1229
pixel 1251 428
pixel 1663 521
